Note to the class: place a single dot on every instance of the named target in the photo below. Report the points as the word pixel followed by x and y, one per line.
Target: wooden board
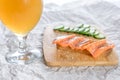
pixel 55 57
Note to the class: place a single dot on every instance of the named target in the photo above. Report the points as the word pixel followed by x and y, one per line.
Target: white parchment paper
pixel 104 14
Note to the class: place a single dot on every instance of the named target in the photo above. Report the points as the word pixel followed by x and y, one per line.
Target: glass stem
pixel 22 44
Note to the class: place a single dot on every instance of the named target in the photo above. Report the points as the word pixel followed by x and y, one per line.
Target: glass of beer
pixel 20 17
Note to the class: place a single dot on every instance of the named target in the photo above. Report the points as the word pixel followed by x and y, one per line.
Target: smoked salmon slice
pixel 101 50
pixel 63 41
pixel 82 44
pixel 73 43
pixel 94 45
pixel 95 48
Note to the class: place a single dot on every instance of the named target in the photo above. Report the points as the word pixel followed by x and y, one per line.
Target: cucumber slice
pixel 66 29
pixel 86 31
pixel 96 32
pixel 75 30
pixel 62 30
pixel 59 27
pixel 80 25
pixel 86 26
pixel 81 30
pixel 92 31
pixel 99 36
pixel 70 30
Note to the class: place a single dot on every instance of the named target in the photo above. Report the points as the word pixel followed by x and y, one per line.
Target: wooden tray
pixel 54 57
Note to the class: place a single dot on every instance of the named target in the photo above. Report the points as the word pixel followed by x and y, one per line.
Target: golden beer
pixel 20 16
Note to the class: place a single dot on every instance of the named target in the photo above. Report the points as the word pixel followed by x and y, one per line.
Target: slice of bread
pixel 58 56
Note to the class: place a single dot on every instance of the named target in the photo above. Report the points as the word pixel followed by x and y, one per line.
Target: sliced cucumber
pixel 70 29
pixel 66 29
pixel 86 31
pixel 62 30
pixel 92 31
pixel 96 32
pixel 100 36
pixel 59 27
pixel 80 25
pixel 81 30
pixel 86 26
pixel 75 30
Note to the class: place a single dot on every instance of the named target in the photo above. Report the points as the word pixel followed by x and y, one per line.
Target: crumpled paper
pixel 103 14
